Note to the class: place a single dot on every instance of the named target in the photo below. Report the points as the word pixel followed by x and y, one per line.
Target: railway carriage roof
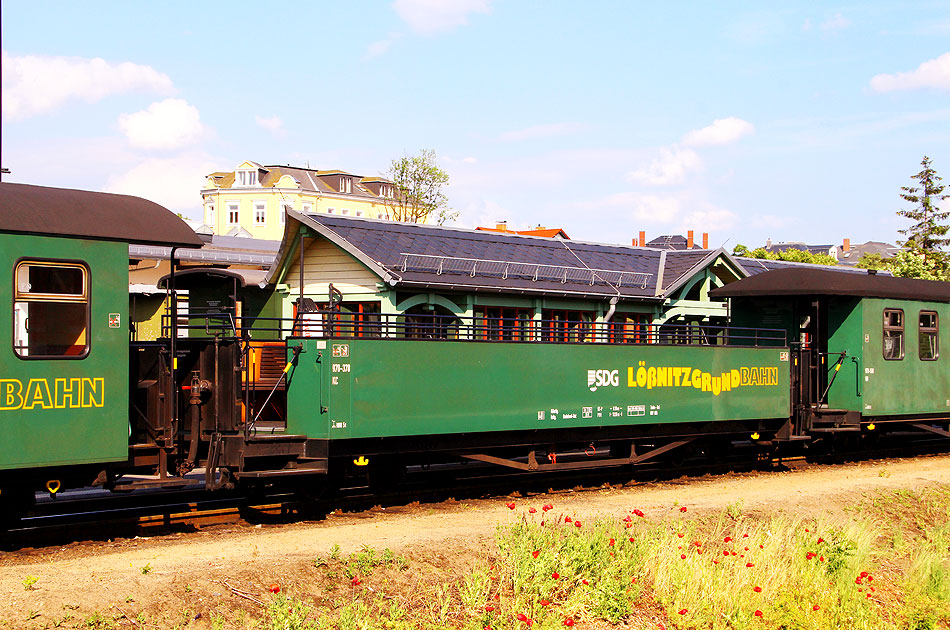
pixel 81 213
pixel 801 281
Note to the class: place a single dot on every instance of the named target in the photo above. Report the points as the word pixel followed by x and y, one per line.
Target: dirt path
pixel 76 580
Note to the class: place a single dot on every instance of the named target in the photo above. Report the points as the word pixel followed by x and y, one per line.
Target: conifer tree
pixel 928 234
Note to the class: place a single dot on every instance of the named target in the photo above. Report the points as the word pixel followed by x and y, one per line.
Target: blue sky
pixel 789 121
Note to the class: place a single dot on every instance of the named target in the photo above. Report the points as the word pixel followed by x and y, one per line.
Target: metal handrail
pixel 434 327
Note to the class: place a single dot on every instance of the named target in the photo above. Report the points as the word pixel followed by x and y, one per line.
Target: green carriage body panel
pixel 878 387
pixel 43 424
pixel 374 388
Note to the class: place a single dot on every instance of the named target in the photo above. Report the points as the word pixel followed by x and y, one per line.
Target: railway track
pixel 99 515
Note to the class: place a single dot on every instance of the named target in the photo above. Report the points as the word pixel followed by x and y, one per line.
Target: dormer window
pixel 346 185
pixel 386 191
pixel 246 177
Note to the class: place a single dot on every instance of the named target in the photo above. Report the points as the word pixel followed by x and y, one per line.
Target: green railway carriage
pixel 64 364
pixel 868 346
pixel 425 395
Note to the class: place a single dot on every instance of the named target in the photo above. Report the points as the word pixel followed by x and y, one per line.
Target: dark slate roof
pixel 669 241
pixel 95 215
pixel 755 266
pixel 421 256
pixel 679 262
pixel 815 281
pixel 884 250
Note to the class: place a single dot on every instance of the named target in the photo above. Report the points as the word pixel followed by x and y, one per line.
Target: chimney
pixel 501 225
pixel 634 242
pixel 768 243
pixel 643 238
pixel 705 240
pixel 689 240
pixel 846 245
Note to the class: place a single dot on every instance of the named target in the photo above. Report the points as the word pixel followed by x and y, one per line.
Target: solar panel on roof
pixel 529 271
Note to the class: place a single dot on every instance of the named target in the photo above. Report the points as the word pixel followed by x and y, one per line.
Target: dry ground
pixel 176 578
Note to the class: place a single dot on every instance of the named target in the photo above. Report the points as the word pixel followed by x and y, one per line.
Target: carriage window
pixel 928 335
pixel 50 310
pixel 893 334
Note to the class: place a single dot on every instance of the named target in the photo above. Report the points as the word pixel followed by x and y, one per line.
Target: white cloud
pixel 428 17
pixel 173 182
pixel 168 124
pixel 655 209
pixel 543 131
pixel 722 131
pixel 710 219
pixel 837 22
pixel 382 46
pixel 274 124
pixel 934 73
pixel 669 169
pixel 34 84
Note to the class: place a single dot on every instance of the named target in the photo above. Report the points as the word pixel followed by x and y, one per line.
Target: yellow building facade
pixel 252 200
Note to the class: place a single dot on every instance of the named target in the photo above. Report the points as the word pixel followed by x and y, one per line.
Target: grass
pixel 882 565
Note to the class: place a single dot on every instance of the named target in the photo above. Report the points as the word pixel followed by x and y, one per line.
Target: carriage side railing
pixel 345 325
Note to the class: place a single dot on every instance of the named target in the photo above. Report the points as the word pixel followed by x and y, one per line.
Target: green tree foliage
pixel 923 256
pixel 418 195
pixel 789 255
pixel 928 234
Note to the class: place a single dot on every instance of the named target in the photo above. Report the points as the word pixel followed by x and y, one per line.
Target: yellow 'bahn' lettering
pixel 66 393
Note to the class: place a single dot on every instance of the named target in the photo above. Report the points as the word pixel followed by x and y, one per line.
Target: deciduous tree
pixel 417 196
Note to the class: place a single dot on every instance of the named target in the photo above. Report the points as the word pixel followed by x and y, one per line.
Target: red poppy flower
pixel 699 550
pixel 510 505
pixel 757 613
pixel 610 543
pixel 577 523
pixel 761 547
pixel 821 540
pixel 555 575
pixel 682 611
pixel 725 553
pixel 682 556
pixel 522 617
pixel 631 539
pixel 867 595
pixel 627 518
pixel 870 578
pixel 715 562
pixel 810 555
pixel 535 553
pixel 547 506
pixel 638 513
pixel 585 582
pixel 633 580
pixel 816 607
pixel 568 622
pixel 568 519
pixel 683 509
pixel 757 589
pixel 489 608
pixel 806 529
pixel 680 534
pixel 857 580
pixel 697 543
pixel 749 565
pixel 531 510
pixel 629 525
pixel 544 602
pixel 274 588
pixel 746 548
pixel 745 535
pixel 356 581
pixel 727 539
pixel 864 574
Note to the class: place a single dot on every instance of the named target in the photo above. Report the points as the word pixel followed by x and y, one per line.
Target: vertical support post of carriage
pixel 171 418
